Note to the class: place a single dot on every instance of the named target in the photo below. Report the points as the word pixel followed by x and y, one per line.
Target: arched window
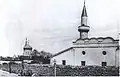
pixel 83 52
pixel 104 52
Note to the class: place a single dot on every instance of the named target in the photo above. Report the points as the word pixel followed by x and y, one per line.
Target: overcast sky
pixel 51 25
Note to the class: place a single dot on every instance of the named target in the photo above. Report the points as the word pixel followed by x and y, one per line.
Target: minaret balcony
pixel 83 28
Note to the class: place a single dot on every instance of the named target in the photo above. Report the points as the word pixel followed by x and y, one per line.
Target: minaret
pixel 84 28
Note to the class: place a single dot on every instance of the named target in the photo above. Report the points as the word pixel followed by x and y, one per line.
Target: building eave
pixel 63 51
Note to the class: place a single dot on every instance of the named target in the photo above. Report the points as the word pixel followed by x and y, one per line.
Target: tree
pixel 35 52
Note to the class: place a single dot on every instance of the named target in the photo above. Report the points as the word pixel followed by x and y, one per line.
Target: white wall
pixel 93 56
pixel 68 56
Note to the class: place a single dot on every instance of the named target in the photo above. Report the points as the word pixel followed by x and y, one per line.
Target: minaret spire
pixel 84 2
pixel 84 15
pixel 84 11
pixel 84 28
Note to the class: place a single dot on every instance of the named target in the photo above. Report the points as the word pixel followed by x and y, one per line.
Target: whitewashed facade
pixel 94 53
pixel 102 51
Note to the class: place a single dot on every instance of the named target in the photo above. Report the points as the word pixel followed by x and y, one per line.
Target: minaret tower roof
pixel 84 28
pixel 84 11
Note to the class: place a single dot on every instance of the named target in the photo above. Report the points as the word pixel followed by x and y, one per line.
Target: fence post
pixel 9 66
pixel 55 67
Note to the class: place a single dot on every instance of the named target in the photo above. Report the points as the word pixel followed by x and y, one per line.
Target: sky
pixel 51 25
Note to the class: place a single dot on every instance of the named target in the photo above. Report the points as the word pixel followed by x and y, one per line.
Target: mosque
pixel 85 51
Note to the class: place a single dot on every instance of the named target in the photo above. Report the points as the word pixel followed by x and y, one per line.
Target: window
pixel 82 63
pixel 83 52
pixel 104 52
pixel 63 62
pixel 104 63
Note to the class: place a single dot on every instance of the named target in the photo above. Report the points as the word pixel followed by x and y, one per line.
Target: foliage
pixel 48 70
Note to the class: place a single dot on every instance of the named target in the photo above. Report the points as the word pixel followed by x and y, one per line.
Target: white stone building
pixel 102 51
